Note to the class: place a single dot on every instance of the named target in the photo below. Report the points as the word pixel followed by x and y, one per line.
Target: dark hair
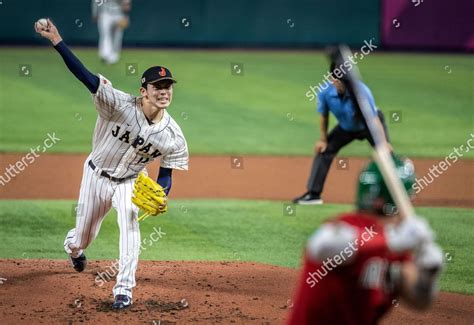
pixel 332 68
pixel 342 73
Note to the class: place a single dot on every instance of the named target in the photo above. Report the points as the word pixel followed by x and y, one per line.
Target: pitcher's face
pixel 160 94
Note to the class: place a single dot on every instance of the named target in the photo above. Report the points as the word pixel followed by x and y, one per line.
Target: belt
pixel 105 174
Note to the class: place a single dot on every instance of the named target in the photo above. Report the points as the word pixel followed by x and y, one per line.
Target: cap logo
pixel 162 72
pixel 143 80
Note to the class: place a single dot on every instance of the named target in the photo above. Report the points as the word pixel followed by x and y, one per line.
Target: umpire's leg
pixel 337 139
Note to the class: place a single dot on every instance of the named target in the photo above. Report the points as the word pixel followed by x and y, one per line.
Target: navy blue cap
pixel 155 74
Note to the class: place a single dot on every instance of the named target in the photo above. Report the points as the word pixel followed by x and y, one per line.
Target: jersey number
pixel 373 273
pixel 143 160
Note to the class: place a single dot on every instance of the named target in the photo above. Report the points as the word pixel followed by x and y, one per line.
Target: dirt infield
pixel 57 176
pixel 50 292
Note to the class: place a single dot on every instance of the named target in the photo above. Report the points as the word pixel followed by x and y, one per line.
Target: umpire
pixel 336 99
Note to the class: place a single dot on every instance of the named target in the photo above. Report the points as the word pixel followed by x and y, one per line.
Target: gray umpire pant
pixel 337 139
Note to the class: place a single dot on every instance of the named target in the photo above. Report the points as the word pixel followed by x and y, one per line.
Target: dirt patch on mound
pixel 50 292
pixel 58 176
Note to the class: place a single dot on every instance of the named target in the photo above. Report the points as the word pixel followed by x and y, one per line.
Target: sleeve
pixel 107 99
pixel 178 158
pixel 164 179
pixel 409 235
pixel 74 65
pixel 322 108
pixel 330 240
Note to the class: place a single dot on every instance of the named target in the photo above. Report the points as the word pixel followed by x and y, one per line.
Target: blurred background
pixel 395 25
pixel 251 65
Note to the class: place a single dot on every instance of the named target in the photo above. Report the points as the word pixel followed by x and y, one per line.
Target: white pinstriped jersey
pixel 124 142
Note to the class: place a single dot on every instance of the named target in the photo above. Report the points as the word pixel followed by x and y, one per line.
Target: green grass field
pixel 212 230
pixel 264 111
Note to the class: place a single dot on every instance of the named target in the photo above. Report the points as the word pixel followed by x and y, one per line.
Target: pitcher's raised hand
pixel 48 30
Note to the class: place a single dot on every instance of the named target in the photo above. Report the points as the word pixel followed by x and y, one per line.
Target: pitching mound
pixel 50 292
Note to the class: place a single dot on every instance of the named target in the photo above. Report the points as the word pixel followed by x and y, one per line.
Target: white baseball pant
pixel 96 196
pixel 110 36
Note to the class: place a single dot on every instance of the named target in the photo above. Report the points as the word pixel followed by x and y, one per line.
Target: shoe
pixel 308 199
pixel 121 302
pixel 79 263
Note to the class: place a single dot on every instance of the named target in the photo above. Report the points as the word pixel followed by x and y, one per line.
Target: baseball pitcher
pixel 130 132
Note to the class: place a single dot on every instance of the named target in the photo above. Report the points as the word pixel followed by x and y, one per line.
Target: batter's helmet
pixel 372 192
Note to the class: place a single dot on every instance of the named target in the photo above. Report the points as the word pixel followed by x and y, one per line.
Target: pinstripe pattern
pixel 94 202
pixel 123 144
pixel 122 113
pixel 129 238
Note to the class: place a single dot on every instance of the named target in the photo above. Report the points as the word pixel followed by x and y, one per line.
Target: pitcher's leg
pixel 127 214
pixel 94 203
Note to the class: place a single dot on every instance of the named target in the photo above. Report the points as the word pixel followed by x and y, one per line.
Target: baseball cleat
pixel 79 263
pixel 308 199
pixel 121 302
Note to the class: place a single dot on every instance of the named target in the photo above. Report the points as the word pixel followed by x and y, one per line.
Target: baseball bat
pixel 381 153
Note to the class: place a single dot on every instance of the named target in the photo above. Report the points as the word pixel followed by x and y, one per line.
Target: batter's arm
pixel 90 80
pixel 418 280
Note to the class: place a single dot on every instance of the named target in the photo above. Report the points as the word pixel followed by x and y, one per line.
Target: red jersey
pixel 350 286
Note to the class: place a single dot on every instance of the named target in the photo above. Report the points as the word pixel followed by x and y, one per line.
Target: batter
pixel 130 132
pixel 357 264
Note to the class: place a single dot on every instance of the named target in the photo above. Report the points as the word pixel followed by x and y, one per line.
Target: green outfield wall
pixel 204 23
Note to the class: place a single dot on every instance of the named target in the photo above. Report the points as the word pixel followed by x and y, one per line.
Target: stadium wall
pixel 408 24
pixel 428 25
pixel 205 23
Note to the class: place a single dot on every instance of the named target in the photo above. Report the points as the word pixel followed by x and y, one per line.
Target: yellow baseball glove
pixel 149 196
pixel 123 22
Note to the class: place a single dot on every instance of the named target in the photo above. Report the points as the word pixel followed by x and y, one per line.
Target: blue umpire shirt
pixel 343 108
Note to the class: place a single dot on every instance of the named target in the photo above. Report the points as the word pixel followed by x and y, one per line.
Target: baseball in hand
pixel 43 24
